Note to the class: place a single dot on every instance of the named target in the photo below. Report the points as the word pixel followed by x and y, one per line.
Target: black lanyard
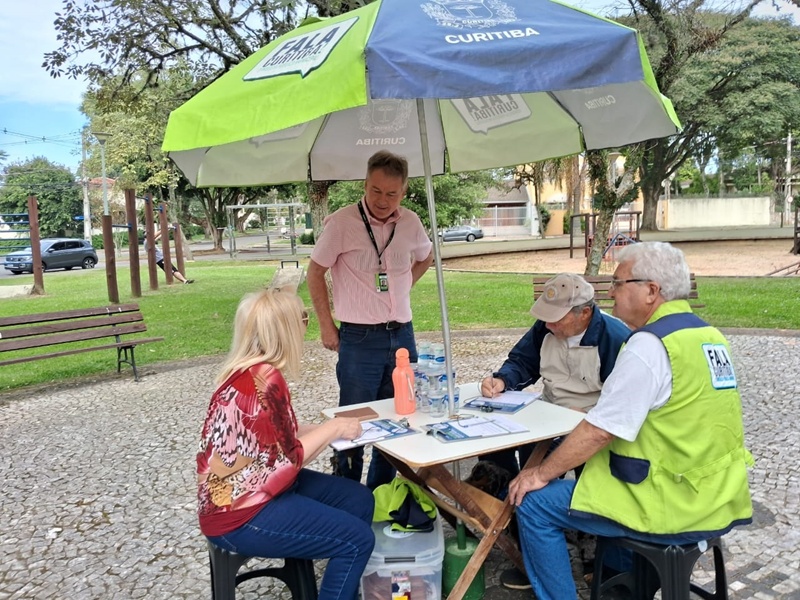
pixel 372 235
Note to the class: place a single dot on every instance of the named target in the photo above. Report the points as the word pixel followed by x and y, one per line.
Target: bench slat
pixel 67 314
pixel 77 336
pixel 63 326
pixel 131 343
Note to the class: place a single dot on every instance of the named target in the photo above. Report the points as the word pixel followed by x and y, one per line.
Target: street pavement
pixel 99 488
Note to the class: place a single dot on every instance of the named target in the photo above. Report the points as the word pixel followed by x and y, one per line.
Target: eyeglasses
pixel 305 318
pixel 615 283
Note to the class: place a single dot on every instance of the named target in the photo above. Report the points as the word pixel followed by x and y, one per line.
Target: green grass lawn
pixel 196 320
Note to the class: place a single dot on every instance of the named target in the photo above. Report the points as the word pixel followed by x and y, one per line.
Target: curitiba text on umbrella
pixel 490 36
pixel 398 141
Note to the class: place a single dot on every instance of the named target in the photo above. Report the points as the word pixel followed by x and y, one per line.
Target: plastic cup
pixel 436 401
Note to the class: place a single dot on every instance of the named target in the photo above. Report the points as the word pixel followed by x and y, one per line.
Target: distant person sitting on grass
pixel 160 260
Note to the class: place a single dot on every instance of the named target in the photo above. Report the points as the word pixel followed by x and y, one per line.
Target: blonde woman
pixel 254 496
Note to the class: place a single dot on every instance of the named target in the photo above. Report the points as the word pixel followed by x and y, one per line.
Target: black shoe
pixel 514 579
pixel 189 281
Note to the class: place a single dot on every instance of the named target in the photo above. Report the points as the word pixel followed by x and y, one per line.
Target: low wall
pixel 688 213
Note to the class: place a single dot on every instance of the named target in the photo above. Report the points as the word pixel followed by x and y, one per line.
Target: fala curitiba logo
pixel 475 14
pixel 302 53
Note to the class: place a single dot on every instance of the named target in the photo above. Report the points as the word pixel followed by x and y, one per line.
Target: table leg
pixel 455 492
pixel 537 456
pixel 491 535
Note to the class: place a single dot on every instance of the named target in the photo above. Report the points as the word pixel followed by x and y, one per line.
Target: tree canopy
pixel 719 69
pixel 53 185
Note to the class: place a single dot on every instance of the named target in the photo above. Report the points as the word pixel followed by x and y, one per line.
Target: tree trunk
pixel 721 174
pixel 537 198
pixel 318 198
pixel 213 202
pixel 605 217
pixel 609 197
pixel 651 192
pixel 652 174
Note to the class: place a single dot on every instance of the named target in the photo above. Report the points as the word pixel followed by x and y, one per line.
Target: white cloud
pixel 778 9
pixel 26 33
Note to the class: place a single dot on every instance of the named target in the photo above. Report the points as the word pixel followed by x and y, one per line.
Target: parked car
pixel 57 253
pixel 462 232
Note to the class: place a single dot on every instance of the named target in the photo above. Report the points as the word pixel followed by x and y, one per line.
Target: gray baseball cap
pixel 561 294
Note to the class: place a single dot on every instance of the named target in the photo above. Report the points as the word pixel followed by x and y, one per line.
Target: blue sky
pixel 34 105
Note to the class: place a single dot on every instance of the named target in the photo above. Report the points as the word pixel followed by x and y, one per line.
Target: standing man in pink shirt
pixel 376 251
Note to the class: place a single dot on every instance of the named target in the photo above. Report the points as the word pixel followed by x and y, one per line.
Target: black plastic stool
pixel 296 573
pixel 655 566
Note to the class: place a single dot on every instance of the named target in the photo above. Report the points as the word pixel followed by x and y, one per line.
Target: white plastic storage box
pixel 404 565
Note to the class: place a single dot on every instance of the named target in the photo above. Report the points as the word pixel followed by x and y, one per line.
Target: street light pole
pixel 87 213
pixel 108 240
pixel 103 138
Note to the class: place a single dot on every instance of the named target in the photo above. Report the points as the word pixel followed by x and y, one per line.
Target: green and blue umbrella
pixel 504 82
pixel 471 84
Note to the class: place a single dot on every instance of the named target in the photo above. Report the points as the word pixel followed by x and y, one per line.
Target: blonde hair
pixel 268 328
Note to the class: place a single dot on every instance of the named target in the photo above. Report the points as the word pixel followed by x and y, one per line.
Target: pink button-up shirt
pixel 346 249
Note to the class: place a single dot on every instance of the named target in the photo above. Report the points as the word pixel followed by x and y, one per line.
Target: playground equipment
pixel 277 208
pixel 624 230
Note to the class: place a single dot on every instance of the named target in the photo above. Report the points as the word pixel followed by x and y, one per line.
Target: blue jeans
pixel 364 372
pixel 320 516
pixel 542 519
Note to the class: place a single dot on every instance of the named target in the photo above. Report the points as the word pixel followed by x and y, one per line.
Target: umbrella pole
pixel 437 254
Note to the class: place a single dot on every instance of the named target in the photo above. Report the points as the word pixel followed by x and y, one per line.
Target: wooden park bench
pixel 601 285
pixel 32 332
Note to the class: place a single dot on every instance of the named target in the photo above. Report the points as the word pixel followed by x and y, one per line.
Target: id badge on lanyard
pixel 381 277
pixel 381 282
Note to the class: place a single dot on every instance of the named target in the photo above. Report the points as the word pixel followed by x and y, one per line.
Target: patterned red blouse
pixel 249 451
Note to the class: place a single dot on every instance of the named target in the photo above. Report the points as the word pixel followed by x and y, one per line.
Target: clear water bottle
pixel 456 391
pixel 438 356
pixel 421 387
pixel 425 355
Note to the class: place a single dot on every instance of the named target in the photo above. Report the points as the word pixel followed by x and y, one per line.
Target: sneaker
pixel 514 579
pixel 189 281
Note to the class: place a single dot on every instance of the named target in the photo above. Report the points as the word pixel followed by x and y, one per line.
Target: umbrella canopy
pixel 483 83
pixel 506 82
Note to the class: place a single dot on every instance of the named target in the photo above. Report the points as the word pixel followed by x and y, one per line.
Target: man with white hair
pixel 663 447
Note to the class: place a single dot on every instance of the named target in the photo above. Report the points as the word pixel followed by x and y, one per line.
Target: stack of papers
pixel 474 427
pixel 373 431
pixel 507 402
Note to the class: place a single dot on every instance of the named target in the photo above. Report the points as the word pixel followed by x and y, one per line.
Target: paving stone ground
pixel 98 491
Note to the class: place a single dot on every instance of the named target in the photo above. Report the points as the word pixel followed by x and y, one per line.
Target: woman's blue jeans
pixel 542 518
pixel 320 516
pixel 364 372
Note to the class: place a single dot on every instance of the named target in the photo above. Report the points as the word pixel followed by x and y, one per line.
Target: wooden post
pixel 179 249
pixel 162 221
pixel 36 246
pixel 133 243
pixel 150 233
pixel 111 260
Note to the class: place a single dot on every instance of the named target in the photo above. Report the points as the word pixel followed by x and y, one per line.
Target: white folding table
pixel 422 459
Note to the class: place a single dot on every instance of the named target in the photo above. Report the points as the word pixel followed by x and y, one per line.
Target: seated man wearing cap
pixel 572 347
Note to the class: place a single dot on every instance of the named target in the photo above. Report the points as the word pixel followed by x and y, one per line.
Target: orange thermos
pixel 405 401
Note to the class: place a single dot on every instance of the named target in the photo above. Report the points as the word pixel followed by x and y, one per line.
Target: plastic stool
pixel 296 573
pixel 655 566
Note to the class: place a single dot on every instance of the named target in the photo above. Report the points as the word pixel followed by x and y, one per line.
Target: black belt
pixel 390 326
